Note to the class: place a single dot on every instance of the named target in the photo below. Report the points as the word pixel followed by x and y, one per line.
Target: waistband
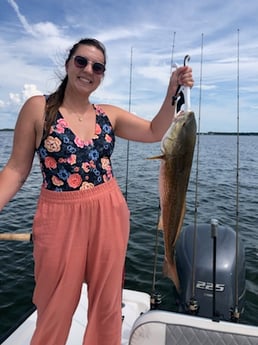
pixel 78 195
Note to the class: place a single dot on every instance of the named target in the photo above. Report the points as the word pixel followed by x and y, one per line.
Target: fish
pixel 177 150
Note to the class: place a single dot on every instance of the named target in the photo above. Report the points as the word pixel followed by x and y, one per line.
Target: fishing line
pixel 197 174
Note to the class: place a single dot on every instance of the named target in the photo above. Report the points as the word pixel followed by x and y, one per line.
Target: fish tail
pixel 170 271
pixel 160 224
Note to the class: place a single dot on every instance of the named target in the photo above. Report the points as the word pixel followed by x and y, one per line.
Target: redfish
pixel 177 150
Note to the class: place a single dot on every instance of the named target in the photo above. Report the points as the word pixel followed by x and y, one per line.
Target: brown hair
pixel 55 100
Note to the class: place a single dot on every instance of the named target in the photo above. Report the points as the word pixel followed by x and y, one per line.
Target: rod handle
pixel 9 236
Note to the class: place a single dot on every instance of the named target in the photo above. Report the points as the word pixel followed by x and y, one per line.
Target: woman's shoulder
pixel 104 108
pixel 33 110
pixel 107 106
pixel 34 105
pixel 37 100
pixel 112 110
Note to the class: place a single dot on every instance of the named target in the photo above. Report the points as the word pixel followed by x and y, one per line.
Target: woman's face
pixel 85 69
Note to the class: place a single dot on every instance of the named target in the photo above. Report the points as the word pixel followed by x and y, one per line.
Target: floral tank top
pixel 69 163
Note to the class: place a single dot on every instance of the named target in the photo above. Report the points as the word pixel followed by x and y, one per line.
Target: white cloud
pixel 36 51
pixel 47 29
pixel 15 98
pixel 30 90
pixel 21 18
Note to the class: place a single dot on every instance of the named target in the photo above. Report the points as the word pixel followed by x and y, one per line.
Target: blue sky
pixel 36 35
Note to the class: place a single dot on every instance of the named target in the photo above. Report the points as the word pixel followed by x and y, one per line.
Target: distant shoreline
pixel 202 133
pixel 229 133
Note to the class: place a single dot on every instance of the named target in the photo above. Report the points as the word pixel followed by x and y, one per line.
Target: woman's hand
pixel 181 76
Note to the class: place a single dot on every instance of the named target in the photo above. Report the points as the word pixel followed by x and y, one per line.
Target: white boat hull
pixel 134 303
pixel 142 326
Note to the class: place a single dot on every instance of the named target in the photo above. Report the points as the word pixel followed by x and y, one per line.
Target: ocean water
pixel 216 195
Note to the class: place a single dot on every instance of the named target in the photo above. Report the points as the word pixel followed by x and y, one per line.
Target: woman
pixel 81 225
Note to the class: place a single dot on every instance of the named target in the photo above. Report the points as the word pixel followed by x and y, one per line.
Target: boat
pixel 144 325
pixel 208 314
pixel 134 304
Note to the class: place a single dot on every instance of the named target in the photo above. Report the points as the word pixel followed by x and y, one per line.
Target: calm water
pixel 216 199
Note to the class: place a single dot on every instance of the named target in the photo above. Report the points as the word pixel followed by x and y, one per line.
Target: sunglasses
pixel 82 62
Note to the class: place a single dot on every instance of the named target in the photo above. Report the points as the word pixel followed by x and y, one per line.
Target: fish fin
pixel 170 271
pixel 156 157
pixel 160 224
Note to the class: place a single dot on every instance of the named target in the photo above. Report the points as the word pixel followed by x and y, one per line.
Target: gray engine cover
pixel 226 289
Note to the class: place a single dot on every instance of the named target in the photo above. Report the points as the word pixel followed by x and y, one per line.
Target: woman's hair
pixel 55 100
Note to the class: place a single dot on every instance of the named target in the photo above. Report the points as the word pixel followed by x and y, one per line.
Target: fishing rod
pixel 172 53
pixel 128 142
pixel 193 304
pixel 235 313
pixel 214 234
pixel 156 297
pixel 11 236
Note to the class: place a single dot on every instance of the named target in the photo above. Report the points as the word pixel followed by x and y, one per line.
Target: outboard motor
pixel 200 273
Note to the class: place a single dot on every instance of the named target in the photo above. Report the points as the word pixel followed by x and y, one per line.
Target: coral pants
pixel 78 237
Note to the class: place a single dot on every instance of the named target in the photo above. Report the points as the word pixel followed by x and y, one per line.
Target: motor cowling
pixel 196 273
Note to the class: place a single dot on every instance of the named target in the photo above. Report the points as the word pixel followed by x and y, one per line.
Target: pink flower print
pixel 74 180
pixel 79 142
pixel 61 125
pixel 108 138
pixel 105 162
pixel 86 166
pixel 88 142
pixel 98 108
pixel 97 129
pixel 72 159
pixel 50 163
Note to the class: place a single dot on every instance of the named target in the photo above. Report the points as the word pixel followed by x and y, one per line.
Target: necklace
pixel 81 117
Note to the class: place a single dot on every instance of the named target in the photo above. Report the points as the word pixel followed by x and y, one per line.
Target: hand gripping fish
pixel 177 149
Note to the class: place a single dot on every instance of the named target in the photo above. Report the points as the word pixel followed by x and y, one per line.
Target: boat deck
pixel 134 303
pixel 142 326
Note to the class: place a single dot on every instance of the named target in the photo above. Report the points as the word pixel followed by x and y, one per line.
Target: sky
pixel 142 39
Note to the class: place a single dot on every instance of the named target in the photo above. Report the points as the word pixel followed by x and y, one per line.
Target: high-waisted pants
pixel 80 236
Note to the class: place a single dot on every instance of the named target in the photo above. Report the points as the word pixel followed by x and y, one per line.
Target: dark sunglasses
pixel 82 62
